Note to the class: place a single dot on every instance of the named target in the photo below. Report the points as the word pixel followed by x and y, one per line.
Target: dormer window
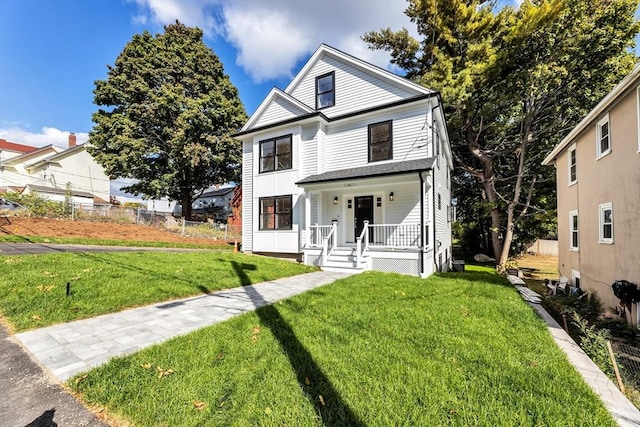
pixel 326 90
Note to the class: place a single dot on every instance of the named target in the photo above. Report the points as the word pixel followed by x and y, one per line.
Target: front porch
pixel 399 248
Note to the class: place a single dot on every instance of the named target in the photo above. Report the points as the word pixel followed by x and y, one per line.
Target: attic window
pixel 325 90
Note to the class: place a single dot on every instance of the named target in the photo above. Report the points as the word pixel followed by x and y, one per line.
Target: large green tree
pixel 168 113
pixel 514 82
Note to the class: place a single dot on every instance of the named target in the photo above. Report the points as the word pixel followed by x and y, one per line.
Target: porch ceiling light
pixel 391 196
pixel 335 200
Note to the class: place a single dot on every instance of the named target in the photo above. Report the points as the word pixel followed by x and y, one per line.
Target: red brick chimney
pixel 72 140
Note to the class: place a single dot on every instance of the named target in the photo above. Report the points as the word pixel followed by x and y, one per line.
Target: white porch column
pixel 307 218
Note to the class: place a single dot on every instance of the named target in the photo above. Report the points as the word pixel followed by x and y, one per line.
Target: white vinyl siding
pixel 279 110
pixel 347 142
pixel 309 151
pixel 247 196
pixel 355 89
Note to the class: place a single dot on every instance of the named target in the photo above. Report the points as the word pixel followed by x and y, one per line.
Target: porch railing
pixel 395 235
pixel 317 234
pixel 328 244
pixel 360 247
pixel 372 235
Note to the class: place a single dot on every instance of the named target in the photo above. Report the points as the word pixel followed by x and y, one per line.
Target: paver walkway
pixel 71 348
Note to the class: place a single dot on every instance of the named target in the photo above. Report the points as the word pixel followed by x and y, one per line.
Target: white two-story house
pixel 349 167
pixel 51 169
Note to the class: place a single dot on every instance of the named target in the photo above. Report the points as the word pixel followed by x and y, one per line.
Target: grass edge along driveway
pixel 33 288
pixel 373 349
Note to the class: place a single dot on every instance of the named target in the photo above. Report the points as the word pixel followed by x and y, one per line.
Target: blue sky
pixel 52 51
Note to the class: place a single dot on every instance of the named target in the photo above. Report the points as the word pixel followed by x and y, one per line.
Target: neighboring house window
pixel 573 171
pixel 604 137
pixel 575 278
pixel 275 154
pixel 606 223
pixel 275 213
pixel 380 141
pixel 573 230
pixel 326 90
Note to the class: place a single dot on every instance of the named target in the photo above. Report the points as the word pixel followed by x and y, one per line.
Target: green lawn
pixel 33 287
pixel 11 238
pixel 374 349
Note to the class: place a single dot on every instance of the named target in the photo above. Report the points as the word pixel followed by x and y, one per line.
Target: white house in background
pixel 50 168
pixel 349 167
pixel 9 150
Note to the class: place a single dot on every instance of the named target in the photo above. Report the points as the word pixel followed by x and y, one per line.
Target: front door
pixel 363 212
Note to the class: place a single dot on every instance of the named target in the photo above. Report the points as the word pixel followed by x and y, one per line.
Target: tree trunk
pixel 186 203
pixel 496 216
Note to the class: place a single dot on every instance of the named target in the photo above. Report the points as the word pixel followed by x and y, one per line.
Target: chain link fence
pixel 628 360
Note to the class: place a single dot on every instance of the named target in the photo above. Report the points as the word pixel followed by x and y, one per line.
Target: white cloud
pixel 272 36
pixel 47 136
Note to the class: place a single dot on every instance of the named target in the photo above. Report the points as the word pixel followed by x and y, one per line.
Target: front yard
pixel 373 349
pixel 33 288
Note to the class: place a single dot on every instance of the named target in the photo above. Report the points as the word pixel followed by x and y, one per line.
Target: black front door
pixel 363 212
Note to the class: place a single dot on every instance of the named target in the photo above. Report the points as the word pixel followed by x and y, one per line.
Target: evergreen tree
pixel 168 115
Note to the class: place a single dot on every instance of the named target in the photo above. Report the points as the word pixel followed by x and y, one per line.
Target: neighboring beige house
pixel 48 169
pixel 598 183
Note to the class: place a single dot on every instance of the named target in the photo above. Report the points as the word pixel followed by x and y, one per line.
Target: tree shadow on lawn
pixel 318 389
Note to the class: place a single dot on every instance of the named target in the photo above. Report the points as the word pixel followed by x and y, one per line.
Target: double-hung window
pixel 275 213
pixel 606 223
pixel 380 141
pixel 326 90
pixel 604 137
pixel 573 169
pixel 574 239
pixel 275 154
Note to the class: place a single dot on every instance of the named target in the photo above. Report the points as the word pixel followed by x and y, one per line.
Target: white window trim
pixel 572 149
pixel 602 121
pixel 571 247
pixel 575 275
pixel 601 209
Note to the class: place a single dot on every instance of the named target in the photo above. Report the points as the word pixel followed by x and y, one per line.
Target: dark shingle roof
pixel 53 190
pixel 370 171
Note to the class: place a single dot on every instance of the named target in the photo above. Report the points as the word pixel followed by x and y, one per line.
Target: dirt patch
pixel 46 227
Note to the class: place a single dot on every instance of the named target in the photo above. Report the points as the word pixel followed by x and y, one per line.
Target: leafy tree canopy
pixel 514 83
pixel 169 113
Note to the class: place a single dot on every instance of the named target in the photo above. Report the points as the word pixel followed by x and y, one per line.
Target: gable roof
pixel 218 192
pixel 271 97
pixel 393 79
pixel 53 190
pixel 325 119
pixel 56 157
pixel 612 97
pixel 13 146
pixel 358 63
pixel 35 153
pixel 371 171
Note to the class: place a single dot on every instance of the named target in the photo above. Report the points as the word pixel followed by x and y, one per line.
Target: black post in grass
pixel 68 288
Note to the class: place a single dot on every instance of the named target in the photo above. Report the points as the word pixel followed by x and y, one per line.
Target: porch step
pixel 344 259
